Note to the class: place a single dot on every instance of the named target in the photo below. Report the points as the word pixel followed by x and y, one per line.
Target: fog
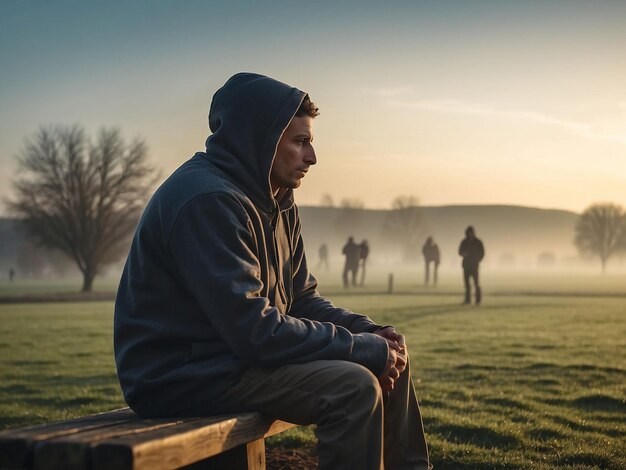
pixel 515 238
pixel 522 245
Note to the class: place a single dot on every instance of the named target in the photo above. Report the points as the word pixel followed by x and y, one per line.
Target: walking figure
pixel 472 251
pixel 351 251
pixel 323 256
pixel 430 250
pixel 364 252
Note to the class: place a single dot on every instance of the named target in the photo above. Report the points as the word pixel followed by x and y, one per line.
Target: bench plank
pixel 16 446
pixel 120 440
pixel 74 450
pixel 184 444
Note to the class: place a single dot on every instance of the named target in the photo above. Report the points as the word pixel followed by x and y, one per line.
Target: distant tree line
pixel 402 224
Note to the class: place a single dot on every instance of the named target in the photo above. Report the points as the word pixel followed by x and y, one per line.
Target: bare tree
pixel 601 231
pixel 327 200
pixel 403 223
pixel 404 202
pixel 83 198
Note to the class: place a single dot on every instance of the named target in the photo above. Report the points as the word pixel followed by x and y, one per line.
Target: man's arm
pixel 215 252
pixel 309 304
pixel 462 249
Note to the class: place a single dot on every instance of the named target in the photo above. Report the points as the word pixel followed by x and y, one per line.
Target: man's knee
pixel 354 387
pixel 363 385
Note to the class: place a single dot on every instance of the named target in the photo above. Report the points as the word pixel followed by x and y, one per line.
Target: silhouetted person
pixel 11 274
pixel 472 251
pixel 351 251
pixel 323 256
pixel 430 250
pixel 364 251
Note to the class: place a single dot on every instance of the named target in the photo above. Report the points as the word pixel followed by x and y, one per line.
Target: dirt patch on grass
pixel 282 458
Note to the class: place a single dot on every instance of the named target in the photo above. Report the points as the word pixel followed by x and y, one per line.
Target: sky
pixel 452 102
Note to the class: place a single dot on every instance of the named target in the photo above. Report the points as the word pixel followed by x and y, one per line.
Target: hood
pixel 247 119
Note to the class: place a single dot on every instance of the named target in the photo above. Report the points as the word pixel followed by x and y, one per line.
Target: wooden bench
pixel 120 440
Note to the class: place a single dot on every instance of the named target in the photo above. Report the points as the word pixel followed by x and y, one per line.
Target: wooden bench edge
pixel 158 451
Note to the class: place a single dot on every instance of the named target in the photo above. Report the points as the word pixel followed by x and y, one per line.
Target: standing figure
pixel 352 253
pixel 11 274
pixel 430 250
pixel 364 251
pixel 472 251
pixel 323 256
pixel 218 313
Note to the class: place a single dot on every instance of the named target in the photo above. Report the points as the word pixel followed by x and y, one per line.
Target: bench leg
pixel 256 454
pixel 249 456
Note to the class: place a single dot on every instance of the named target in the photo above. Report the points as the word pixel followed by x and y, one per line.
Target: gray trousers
pixel 357 427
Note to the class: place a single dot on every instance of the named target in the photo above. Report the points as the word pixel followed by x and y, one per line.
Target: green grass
pixel 524 381
pixel 407 279
pixel 504 282
pixel 22 287
pixel 56 362
pixel 518 383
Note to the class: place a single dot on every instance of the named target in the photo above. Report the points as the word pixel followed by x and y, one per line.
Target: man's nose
pixel 310 158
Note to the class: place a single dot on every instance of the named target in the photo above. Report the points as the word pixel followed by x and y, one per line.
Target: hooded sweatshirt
pixel 216 280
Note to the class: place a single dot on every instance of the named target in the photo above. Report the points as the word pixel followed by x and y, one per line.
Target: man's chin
pixel 291 184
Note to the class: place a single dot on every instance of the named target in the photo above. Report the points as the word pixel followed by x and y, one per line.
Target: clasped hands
pixel 396 357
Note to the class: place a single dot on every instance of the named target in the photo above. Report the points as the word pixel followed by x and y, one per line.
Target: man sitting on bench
pixel 217 312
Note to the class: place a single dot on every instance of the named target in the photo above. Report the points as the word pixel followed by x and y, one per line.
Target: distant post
pixel 390 284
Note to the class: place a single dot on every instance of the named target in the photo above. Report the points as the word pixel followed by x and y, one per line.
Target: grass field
pixel 534 378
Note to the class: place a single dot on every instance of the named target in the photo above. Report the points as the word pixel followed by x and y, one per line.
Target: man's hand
pixel 391 373
pixel 396 342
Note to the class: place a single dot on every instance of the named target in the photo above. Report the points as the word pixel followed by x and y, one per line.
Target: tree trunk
pixel 88 277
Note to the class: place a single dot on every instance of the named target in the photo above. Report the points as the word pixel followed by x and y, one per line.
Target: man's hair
pixel 307 108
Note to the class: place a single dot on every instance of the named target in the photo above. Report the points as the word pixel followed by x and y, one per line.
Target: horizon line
pixel 434 206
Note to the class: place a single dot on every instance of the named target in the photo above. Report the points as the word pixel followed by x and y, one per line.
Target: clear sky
pixel 454 102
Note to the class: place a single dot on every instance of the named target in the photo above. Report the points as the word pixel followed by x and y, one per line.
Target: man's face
pixel 294 154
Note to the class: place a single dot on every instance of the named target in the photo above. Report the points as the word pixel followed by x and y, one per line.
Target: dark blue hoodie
pixel 216 280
